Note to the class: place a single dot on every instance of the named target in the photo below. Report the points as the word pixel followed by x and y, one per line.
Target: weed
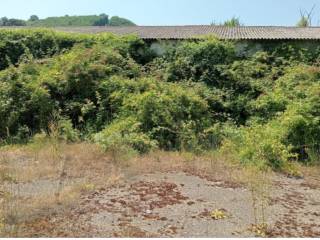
pixel 259 185
pixel 218 214
pixel 260 230
pixel 56 154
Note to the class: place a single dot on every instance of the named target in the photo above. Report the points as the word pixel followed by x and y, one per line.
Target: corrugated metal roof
pixel 222 32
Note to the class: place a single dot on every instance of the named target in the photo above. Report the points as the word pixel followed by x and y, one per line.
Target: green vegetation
pixel 303 22
pixel 68 21
pixel 4 21
pixel 118 21
pixel 306 17
pixel 15 46
pixel 263 110
pixel 233 22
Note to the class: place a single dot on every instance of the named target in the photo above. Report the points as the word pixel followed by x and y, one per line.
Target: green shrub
pixel 288 123
pixel 295 54
pixel 295 86
pixel 261 146
pixel 173 116
pixel 21 102
pixel 294 103
pixel 202 61
pixel 66 131
pixel 215 63
pixel 39 43
pixel 23 134
pixel 124 133
pixel 15 44
pixel 70 83
pixel 303 130
pixel 214 136
pixel 165 110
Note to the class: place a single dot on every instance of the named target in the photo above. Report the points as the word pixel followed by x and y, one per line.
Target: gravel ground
pixel 179 204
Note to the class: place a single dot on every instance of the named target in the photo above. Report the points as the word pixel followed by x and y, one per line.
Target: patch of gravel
pixel 298 208
pixel 179 205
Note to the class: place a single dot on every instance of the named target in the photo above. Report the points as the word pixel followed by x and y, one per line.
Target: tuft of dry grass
pixel 49 176
pixel 211 165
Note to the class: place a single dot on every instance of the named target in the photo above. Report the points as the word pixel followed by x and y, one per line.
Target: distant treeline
pixel 91 20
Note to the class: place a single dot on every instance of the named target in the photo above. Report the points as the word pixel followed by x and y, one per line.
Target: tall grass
pixel 9 215
pixel 259 184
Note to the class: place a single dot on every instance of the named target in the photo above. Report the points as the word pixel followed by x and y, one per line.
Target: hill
pixel 65 21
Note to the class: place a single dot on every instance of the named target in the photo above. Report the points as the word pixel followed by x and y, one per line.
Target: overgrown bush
pixel 22 102
pixel 15 45
pixel 66 131
pixel 125 133
pixel 202 61
pixel 261 146
pixel 70 83
pixel 172 115
pixel 200 96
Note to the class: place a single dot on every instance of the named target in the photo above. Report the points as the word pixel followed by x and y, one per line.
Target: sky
pixel 169 12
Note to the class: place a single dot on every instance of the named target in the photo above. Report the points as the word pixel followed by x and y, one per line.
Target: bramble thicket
pixel 262 109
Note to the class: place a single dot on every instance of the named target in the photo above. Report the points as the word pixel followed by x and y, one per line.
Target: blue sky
pixel 169 12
